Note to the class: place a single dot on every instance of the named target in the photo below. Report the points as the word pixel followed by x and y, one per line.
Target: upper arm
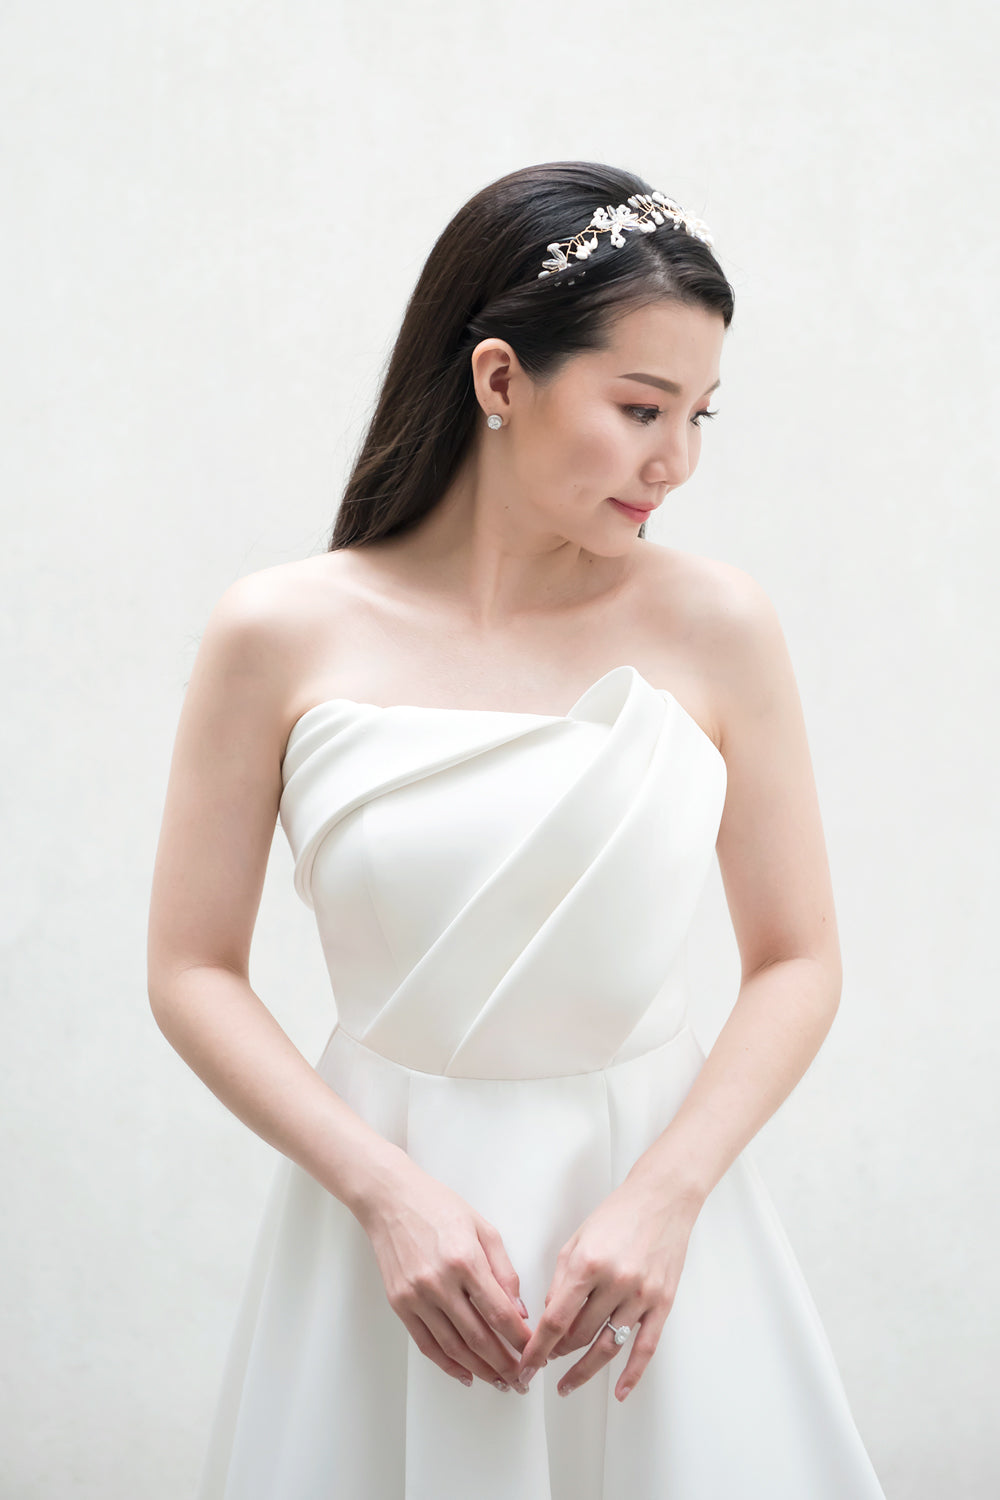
pixel 224 787
pixel 771 846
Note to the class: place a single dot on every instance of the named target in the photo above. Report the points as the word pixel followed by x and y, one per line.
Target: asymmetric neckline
pixel 503 713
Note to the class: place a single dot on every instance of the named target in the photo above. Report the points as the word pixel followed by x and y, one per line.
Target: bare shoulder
pixel 272 623
pixel 727 628
pixel 279 604
pixel 708 594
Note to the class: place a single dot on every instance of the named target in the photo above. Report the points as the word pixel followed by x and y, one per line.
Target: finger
pixel 588 1322
pixel 428 1344
pixel 497 1313
pixel 505 1275
pixel 494 1302
pixel 553 1325
pixel 608 1293
pixel 480 1337
pixel 644 1344
pixel 604 1347
pixel 456 1347
pixel 595 1312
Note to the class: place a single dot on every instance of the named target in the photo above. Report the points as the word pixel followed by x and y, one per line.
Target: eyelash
pixel 655 410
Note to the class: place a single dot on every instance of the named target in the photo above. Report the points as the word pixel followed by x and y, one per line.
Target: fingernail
pixel 528 1374
pixel 564 1390
pixel 501 1385
pixel 465 1379
pixel 524 1310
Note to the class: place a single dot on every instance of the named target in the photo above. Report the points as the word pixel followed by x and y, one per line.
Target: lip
pixel 634 512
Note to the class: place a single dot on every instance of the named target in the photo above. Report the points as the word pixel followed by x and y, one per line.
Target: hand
pixel 623 1263
pixel 448 1277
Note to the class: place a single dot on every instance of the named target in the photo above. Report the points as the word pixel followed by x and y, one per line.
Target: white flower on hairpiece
pixel 614 221
pixel 559 261
pixel 699 229
pixel 696 227
pixel 643 212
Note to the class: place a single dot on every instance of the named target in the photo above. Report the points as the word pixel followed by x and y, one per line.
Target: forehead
pixel 678 343
pixel 664 330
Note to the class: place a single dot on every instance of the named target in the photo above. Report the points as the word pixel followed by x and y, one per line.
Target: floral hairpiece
pixel 642 212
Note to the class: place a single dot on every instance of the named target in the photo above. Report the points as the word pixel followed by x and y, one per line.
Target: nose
pixel 673 461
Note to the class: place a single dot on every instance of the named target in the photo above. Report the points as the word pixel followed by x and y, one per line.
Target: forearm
pixel 776 1027
pixel 226 1035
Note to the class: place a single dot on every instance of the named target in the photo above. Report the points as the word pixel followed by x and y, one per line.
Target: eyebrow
pixel 670 386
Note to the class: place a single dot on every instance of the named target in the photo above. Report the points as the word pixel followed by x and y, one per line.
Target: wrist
pixel 377 1182
pixel 669 1177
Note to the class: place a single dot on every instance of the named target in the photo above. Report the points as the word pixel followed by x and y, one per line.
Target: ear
pixel 494 367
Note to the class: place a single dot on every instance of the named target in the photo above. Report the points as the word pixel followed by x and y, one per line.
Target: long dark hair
pixel 481 281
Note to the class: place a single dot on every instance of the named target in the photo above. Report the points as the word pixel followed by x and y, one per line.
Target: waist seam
pixel 685 1033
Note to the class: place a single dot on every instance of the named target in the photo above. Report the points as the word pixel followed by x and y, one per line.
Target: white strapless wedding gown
pixel 503 901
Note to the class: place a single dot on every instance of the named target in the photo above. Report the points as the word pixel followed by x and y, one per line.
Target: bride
pixel 489 645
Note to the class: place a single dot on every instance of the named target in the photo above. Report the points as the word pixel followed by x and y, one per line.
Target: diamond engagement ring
pixel 621 1334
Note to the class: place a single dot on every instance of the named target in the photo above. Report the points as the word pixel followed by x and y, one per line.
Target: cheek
pixel 584 453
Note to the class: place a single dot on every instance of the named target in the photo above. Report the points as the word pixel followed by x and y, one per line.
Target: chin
pixel 606 541
pixel 621 547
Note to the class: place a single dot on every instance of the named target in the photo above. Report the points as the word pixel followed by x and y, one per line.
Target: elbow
pixel 177 987
pixel 168 982
pixel 833 970
pixel 829 969
pixel 812 980
pixel 824 965
pixel 158 996
pixel 829 986
pixel 161 994
pixel 163 971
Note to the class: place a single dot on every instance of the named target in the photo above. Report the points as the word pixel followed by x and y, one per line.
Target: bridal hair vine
pixel 643 212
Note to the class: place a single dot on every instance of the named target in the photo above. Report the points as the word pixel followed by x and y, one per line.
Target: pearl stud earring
pixel 494 421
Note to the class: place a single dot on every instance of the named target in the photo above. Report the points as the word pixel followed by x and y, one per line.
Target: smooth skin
pixel 522 587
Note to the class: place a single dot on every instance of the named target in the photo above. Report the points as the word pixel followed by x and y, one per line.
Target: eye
pixel 646 414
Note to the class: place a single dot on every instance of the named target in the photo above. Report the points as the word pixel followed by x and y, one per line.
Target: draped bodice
pixel 505 895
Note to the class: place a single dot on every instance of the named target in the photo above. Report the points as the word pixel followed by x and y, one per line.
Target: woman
pixel 504 740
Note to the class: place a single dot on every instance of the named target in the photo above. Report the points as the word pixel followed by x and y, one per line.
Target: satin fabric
pixel 503 901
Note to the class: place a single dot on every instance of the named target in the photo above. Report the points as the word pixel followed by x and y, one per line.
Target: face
pixel 601 446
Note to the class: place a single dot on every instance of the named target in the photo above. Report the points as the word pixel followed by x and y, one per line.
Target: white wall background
pixel 212 215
